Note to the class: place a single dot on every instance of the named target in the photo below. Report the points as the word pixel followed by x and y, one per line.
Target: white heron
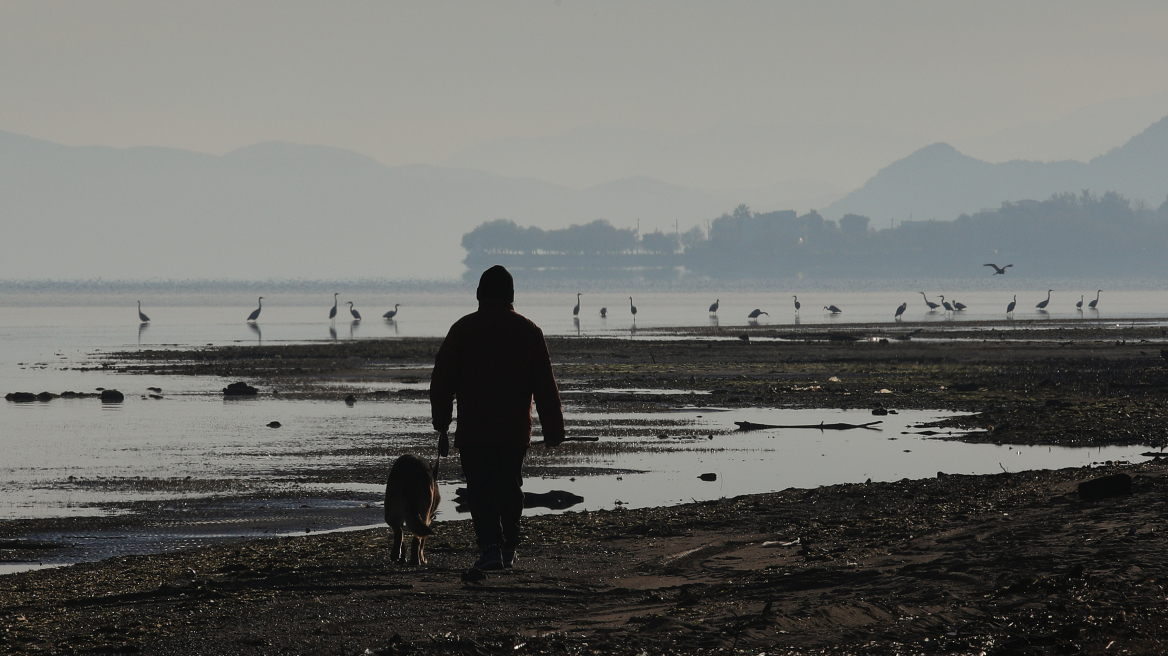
pixel 353 311
pixel 256 313
pixel 392 313
pixel 141 316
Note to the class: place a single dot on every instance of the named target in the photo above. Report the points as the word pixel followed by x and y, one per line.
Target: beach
pixel 1012 562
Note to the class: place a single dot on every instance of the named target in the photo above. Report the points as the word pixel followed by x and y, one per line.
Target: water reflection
pixel 142 327
pixel 255 328
pixel 353 325
pixel 333 332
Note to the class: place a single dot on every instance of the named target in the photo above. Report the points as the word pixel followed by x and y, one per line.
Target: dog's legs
pixel 415 551
pixel 397 546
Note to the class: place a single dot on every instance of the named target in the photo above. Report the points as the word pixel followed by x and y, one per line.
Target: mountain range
pixel 938 182
pixel 279 210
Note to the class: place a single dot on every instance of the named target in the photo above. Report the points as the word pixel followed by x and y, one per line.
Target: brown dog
pixel 411 498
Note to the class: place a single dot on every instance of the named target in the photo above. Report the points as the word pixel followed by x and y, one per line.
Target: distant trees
pixel 1066 234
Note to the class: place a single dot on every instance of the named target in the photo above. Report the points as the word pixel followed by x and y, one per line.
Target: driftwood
pixel 748 426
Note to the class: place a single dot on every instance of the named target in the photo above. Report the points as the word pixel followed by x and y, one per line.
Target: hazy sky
pixel 417 82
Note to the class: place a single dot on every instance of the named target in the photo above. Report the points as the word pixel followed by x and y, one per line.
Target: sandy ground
pixel 1008 564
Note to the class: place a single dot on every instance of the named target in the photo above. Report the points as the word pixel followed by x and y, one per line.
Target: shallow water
pixel 193 432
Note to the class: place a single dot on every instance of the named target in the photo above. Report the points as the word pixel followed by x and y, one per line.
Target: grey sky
pixel 409 82
pixel 777 104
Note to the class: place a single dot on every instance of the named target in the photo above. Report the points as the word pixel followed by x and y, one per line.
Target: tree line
pixel 1067 234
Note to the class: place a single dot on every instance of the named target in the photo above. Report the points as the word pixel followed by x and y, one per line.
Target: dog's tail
pixel 417 525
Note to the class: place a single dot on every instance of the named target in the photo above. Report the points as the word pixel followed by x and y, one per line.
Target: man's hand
pixel 443 445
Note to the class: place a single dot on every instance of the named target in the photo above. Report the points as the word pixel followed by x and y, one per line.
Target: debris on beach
pixel 240 389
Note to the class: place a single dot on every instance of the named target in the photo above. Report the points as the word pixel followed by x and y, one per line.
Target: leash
pixel 443 450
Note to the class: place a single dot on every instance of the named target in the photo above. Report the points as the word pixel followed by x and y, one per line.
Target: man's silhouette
pixel 495 361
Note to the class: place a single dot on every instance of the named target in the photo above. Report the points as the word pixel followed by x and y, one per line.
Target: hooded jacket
pixel 495 361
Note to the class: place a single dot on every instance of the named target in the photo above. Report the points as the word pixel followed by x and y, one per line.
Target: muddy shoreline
pixel 1015 563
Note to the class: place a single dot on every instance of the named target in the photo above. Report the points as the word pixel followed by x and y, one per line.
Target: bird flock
pixel 254 317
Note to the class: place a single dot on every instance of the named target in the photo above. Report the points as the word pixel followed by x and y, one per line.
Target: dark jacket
pixel 495 361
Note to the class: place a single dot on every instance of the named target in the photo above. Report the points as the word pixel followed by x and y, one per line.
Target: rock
pixel 112 396
pixel 709 477
pixel 274 424
pixel 156 396
pixel 240 389
pixel 879 412
pixel 156 390
pixel 20 397
pixel 554 500
pixel 1116 485
pixel 350 400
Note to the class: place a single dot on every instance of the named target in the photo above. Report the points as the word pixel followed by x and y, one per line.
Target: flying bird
pixel 714 307
pixel 392 313
pixel 353 311
pixel 900 310
pixel 1095 302
pixel 932 305
pixel 797 305
pixel 754 314
pixel 998 269
pixel 833 309
pixel 142 317
pixel 1012 305
pixel 333 312
pixel 1042 304
pixel 256 313
pixel 576 310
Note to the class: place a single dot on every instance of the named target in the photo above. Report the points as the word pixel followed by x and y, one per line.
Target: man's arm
pixel 442 386
pixel 547 396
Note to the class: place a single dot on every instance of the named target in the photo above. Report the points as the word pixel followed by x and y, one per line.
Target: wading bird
pixel 142 317
pixel 1042 304
pixel 997 269
pixel 633 309
pixel 333 312
pixel 353 311
pixel 945 304
pixel 959 306
pixel 900 310
pixel 714 307
pixel 797 304
pixel 392 313
pixel 1095 302
pixel 833 309
pixel 603 313
pixel 256 313
pixel 1080 303
pixel 1013 304
pixel 755 313
pixel 576 310
pixel 932 305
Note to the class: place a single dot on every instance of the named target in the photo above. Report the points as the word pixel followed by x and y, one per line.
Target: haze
pixel 777 105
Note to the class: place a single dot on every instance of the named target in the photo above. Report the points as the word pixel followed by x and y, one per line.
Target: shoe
pixel 491 558
pixel 509 557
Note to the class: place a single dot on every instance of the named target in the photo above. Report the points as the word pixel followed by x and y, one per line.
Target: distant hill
pixel 279 210
pixel 939 182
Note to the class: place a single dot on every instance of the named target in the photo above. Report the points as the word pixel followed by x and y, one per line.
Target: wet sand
pixel 1014 563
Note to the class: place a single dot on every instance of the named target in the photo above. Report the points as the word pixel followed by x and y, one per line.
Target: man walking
pixel 495 361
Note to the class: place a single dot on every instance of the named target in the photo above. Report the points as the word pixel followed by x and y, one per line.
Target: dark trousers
pixel 494 485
